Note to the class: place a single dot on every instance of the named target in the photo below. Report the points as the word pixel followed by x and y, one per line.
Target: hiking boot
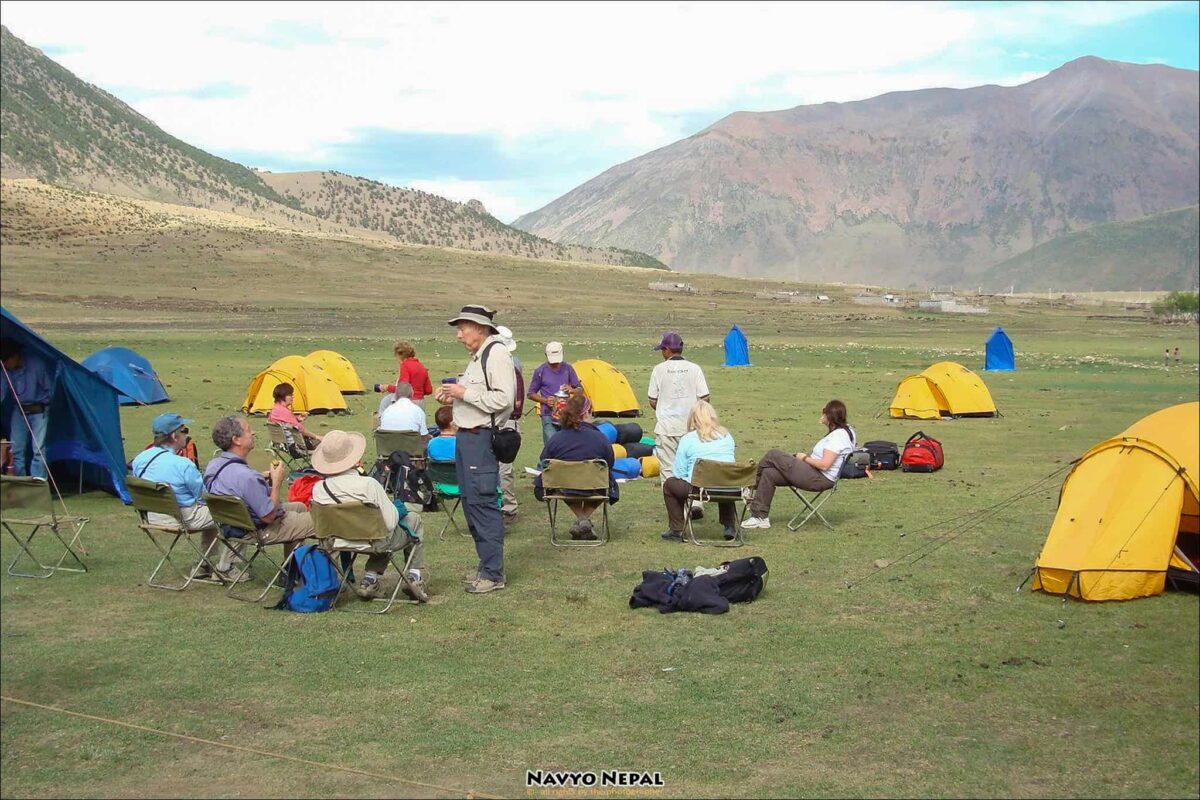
pixel 471 576
pixel 369 588
pixel 696 512
pixel 484 585
pixel 586 531
pixel 232 575
pixel 756 522
pixel 730 534
pixel 673 536
pixel 415 589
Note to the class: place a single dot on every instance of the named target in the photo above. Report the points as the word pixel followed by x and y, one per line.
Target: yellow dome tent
pixel 607 389
pixel 945 389
pixel 1128 512
pixel 340 369
pixel 316 393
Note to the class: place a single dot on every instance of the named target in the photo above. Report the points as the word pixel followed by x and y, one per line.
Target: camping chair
pixel 412 443
pixel 232 511
pixel 348 528
pixel 575 481
pixel 723 482
pixel 158 498
pixel 444 476
pixel 811 506
pixel 26 503
pixel 289 446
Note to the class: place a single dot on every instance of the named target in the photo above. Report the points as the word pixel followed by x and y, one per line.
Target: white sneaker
pixel 756 522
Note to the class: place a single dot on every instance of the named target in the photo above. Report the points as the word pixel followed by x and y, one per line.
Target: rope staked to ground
pixel 267 754
pixel 980 516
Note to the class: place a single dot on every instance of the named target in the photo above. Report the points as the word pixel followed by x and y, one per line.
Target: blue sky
pixel 515 104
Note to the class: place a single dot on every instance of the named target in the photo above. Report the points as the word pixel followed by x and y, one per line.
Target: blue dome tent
pixel 131 373
pixel 737 350
pixel 83 429
pixel 999 352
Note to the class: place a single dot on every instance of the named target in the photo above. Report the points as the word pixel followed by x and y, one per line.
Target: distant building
pixel 662 286
pixel 950 307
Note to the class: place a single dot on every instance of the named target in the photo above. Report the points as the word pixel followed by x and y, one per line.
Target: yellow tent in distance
pixel 607 389
pixel 946 389
pixel 340 369
pixel 1128 513
pixel 316 393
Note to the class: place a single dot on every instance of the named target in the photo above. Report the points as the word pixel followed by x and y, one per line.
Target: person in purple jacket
pixel 552 377
pixel 579 440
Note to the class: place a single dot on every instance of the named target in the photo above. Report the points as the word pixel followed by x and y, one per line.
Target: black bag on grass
pixel 884 455
pixel 744 579
pixel 856 464
pixel 628 433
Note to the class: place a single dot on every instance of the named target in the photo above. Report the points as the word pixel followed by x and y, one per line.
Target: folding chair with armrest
pixel 289 445
pixel 722 482
pixel 232 511
pixel 27 503
pixel 158 498
pixel 350 527
pixel 575 482
pixel 444 477
pixel 811 506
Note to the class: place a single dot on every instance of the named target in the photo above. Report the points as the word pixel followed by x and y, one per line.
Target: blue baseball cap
pixel 168 423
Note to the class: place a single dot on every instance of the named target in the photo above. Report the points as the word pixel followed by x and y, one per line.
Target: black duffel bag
pixel 884 455
pixel 638 450
pixel 629 433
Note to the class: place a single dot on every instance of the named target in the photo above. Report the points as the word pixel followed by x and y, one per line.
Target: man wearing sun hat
pixel 161 463
pixel 338 459
pixel 482 405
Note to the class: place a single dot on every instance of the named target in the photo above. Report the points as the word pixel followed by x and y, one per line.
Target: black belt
pixel 33 408
pixel 477 429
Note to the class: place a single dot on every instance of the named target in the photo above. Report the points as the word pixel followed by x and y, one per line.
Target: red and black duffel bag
pixel 922 454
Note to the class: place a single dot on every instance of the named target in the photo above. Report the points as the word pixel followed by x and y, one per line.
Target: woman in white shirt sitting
pixel 705 439
pixel 813 472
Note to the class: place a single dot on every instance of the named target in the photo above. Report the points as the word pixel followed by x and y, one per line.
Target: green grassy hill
pixel 1155 252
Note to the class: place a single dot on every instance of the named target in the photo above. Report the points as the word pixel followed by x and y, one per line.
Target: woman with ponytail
pixel 812 472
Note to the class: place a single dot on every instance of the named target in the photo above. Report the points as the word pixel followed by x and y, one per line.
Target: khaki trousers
pixel 778 468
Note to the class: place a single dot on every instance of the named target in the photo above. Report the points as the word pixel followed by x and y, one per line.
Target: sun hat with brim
pixel 506 336
pixel 338 452
pixel 480 315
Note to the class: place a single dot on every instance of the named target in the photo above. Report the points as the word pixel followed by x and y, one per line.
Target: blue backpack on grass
pixel 312 583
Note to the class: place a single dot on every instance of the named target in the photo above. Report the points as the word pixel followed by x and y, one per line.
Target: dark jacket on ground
pixel 583 444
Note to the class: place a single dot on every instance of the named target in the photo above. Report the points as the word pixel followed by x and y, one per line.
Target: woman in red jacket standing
pixel 413 372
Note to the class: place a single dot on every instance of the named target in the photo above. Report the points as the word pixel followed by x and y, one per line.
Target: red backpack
pixel 922 454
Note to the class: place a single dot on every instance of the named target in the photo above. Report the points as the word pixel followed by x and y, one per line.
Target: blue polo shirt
pixel 165 466
pixel 441 448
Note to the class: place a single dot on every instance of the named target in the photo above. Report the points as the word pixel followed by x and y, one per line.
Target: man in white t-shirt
pixel 675 386
pixel 403 414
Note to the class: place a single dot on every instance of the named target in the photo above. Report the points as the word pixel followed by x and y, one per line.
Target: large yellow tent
pixel 316 393
pixel 946 389
pixel 340 369
pixel 1128 512
pixel 607 389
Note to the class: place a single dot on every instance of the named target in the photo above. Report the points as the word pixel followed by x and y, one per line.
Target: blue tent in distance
pixel 998 353
pixel 737 349
pixel 83 426
pixel 131 373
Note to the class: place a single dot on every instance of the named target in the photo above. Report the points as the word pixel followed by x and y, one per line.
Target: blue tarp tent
pixel 998 353
pixel 737 350
pixel 83 430
pixel 131 373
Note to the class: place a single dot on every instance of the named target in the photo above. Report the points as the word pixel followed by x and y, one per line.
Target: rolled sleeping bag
pixel 609 430
pixel 650 467
pixel 619 451
pixel 628 433
pixel 637 450
pixel 627 468
pixel 648 440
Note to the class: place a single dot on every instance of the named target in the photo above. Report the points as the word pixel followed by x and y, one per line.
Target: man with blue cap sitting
pixel 161 463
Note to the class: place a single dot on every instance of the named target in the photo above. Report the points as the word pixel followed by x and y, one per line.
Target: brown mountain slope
pixel 61 130
pixel 906 187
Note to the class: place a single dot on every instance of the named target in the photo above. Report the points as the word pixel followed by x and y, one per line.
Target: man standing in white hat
pixel 507 474
pixel 482 404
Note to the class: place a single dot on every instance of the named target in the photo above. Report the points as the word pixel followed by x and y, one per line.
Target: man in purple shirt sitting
pixel 229 474
pixel 549 379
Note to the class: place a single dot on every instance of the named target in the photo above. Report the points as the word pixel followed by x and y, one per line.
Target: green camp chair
pixel 158 498
pixel 348 527
pixel 232 511
pixel 722 482
pixel 26 503
pixel 575 481
pixel 445 488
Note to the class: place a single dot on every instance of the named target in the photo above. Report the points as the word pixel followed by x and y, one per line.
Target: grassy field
pixel 932 677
